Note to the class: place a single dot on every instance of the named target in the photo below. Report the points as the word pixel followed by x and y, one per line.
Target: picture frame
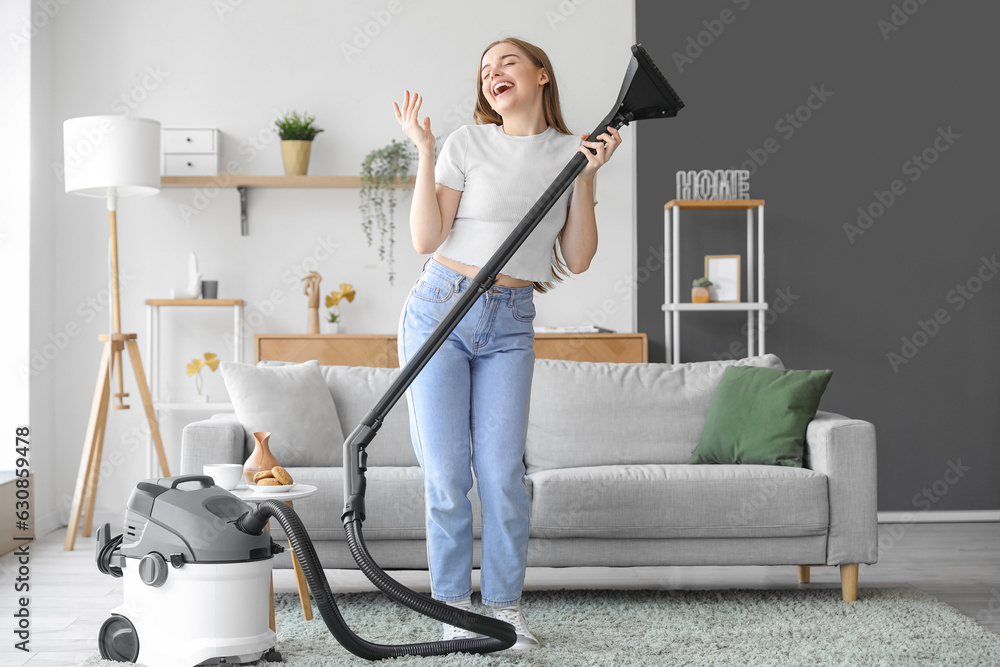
pixel 724 271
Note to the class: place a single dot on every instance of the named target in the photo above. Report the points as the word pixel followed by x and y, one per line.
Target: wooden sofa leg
pixel 849 581
pixel 803 574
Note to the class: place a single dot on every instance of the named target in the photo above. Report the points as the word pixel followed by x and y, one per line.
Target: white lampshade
pixel 112 155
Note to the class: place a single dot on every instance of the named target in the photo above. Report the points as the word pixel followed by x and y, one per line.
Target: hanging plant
pixel 379 172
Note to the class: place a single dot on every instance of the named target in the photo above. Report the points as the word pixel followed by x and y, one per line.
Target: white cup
pixel 226 475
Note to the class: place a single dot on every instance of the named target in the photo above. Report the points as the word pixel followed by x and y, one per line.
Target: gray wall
pixel 854 299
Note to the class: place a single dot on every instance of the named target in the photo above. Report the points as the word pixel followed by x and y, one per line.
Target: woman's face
pixel 509 77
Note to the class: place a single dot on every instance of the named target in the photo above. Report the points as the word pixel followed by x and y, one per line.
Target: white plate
pixel 271 489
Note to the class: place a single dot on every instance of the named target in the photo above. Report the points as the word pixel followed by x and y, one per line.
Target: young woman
pixel 469 405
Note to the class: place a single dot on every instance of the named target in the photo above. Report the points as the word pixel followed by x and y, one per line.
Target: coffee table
pixel 248 494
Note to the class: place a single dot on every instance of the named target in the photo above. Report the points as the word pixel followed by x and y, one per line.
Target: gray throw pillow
pixel 294 404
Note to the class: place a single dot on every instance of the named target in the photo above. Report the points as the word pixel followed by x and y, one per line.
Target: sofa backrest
pixel 591 414
pixel 582 413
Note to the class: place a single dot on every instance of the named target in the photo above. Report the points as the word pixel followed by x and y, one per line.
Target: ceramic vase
pixel 699 295
pixel 261 459
pixel 331 327
pixel 295 155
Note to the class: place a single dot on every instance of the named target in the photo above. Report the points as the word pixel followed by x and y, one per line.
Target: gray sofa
pixel 607 451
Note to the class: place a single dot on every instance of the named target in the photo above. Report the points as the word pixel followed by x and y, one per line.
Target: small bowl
pixel 284 488
pixel 226 475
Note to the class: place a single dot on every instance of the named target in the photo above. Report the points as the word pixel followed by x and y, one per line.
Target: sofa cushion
pixel 355 391
pixel 292 403
pixel 394 503
pixel 759 415
pixel 593 414
pixel 665 501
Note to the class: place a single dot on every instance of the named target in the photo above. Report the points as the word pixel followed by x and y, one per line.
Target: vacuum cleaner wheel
pixel 118 640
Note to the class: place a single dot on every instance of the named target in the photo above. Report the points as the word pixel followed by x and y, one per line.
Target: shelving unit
pixel 153 354
pixel 672 284
pixel 243 182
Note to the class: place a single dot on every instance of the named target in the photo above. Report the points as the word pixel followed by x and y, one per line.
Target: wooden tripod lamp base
pixel 90 462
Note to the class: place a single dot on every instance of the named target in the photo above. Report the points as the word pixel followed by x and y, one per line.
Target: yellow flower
pixel 211 360
pixel 346 292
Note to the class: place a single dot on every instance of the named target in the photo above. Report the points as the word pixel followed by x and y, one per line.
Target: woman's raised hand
pixel 419 134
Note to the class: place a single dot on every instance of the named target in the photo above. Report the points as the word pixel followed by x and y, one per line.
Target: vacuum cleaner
pixel 182 588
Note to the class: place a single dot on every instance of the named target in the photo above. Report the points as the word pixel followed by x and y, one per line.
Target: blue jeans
pixel 469 409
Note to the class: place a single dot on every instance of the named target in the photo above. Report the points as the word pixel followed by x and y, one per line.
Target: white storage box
pixel 190 151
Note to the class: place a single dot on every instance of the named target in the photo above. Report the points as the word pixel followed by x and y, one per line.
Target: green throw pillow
pixel 759 415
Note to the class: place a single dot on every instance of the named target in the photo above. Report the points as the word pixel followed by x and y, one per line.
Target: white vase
pixel 330 327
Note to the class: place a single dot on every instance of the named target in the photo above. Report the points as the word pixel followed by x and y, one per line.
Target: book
pixel 585 328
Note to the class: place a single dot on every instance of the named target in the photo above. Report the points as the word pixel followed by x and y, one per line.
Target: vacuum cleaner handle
pixel 206 481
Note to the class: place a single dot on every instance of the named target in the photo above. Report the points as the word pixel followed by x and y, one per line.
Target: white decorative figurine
pixel 193 290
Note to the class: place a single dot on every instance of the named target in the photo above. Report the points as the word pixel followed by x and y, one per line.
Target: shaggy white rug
pixel 886 626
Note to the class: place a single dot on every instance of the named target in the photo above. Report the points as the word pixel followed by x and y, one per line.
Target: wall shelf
pixel 243 182
pixel 715 305
pixel 248 181
pixel 671 275
pixel 714 204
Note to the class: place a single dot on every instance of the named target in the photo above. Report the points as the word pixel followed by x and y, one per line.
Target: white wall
pixel 15 91
pixel 43 285
pixel 189 63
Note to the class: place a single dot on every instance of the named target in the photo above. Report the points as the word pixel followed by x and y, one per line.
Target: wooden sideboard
pixel 380 349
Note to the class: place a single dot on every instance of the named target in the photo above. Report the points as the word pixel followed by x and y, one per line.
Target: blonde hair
pixel 484 115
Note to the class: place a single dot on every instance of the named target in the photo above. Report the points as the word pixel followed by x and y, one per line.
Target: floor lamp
pixel 110 157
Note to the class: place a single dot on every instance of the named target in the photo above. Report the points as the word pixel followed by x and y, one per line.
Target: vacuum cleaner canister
pixel 196 589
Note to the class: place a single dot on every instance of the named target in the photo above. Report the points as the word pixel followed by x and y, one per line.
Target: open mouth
pixel 501 87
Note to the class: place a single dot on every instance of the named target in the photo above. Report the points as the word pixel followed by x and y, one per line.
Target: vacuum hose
pixel 500 635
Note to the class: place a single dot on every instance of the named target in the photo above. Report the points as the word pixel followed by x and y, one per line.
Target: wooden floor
pixel 957 563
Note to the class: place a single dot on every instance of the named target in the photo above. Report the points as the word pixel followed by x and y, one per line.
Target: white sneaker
pixel 451 632
pixel 513 616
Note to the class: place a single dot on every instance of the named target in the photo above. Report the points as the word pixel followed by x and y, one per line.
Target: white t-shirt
pixel 501 177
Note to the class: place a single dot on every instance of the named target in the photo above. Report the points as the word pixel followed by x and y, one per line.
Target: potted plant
pixel 297 133
pixel 380 171
pixel 332 324
pixel 699 290
pixel 194 368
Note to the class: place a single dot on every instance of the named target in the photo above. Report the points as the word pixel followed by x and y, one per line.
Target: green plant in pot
pixel 699 290
pixel 297 134
pixel 380 173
